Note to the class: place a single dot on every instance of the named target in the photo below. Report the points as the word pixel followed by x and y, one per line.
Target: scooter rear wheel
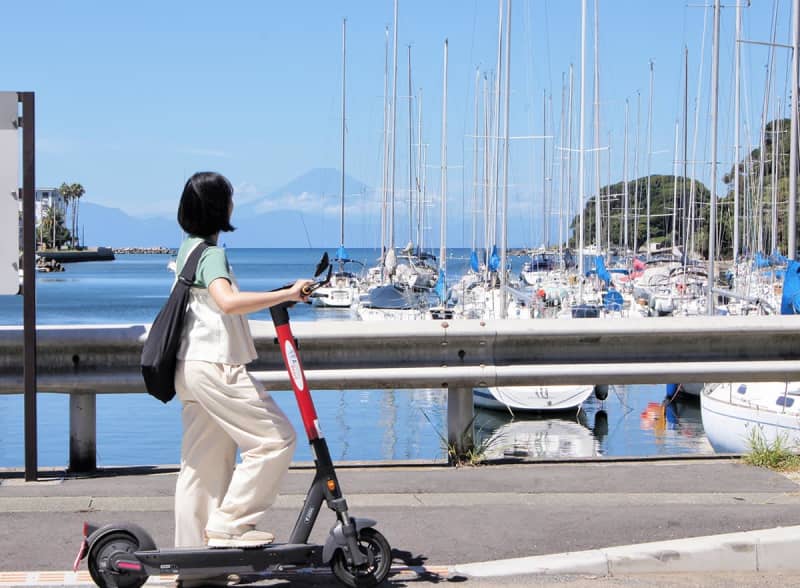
pixel 379 556
pixel 101 556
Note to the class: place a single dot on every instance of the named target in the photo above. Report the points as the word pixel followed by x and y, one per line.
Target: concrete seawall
pixel 72 256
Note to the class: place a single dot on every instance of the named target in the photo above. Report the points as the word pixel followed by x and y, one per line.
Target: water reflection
pixel 501 435
pixel 642 422
pixel 675 422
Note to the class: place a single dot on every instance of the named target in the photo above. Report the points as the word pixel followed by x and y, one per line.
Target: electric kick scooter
pixel 124 555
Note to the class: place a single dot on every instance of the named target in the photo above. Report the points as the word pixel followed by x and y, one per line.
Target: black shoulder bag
pixel 161 347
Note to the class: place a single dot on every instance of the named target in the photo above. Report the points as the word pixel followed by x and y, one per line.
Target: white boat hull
pixel 336 297
pixel 532 398
pixel 733 413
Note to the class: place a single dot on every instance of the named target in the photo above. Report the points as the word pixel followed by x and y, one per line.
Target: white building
pixel 46 200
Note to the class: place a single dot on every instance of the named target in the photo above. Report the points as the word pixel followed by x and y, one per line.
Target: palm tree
pixel 72 194
pixel 77 193
pixel 66 193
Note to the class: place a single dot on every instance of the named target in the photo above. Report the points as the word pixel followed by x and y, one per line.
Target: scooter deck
pixel 229 560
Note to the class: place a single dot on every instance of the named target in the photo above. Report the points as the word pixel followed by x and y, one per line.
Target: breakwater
pixel 75 255
pixel 146 250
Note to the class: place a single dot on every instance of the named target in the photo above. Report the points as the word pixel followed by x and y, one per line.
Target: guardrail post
pixel 82 432
pixel 460 413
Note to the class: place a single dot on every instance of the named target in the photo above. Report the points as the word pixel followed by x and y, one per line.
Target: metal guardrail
pixel 87 360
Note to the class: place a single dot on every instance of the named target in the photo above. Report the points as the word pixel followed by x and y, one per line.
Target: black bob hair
pixel 206 205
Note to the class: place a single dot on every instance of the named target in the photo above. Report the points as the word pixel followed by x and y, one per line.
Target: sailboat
pixel 343 290
pixel 737 414
pixel 548 398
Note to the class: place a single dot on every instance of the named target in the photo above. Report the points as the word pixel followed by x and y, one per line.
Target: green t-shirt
pixel 213 263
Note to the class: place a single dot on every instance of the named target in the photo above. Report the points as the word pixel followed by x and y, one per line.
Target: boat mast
pixel 684 202
pixel 410 155
pixel 562 182
pixel 488 212
pixel 504 224
pixel 649 153
pixel 675 185
pixel 582 154
pixel 385 174
pixel 625 196
pixel 736 115
pixel 792 248
pixel 763 139
pixel 597 205
pixel 344 68
pixel 443 226
pixel 608 200
pixel 420 172
pixel 776 128
pixel 545 236
pixel 393 143
pixel 475 160
pixel 636 173
pixel 495 160
pixel 569 218
pixel 712 223
pixel 693 185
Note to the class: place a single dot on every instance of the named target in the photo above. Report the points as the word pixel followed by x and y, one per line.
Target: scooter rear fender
pixel 336 539
pixel 146 542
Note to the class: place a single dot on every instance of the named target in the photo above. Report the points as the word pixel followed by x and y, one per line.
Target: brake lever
pixel 311 288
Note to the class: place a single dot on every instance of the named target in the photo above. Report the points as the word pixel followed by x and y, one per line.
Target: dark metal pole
pixel 29 279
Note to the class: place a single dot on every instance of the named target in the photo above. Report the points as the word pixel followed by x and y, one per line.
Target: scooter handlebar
pixel 309 289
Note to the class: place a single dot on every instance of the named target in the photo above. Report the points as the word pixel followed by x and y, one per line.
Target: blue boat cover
pixel 494 259
pixel 473 261
pixel 341 253
pixel 777 259
pixel 390 297
pixel 612 300
pixel 602 272
pixel 441 287
pixel 790 301
pixel 760 261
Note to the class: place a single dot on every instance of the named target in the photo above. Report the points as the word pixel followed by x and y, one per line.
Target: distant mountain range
pixel 305 212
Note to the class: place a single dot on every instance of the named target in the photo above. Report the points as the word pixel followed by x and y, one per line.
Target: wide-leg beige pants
pixel 225 408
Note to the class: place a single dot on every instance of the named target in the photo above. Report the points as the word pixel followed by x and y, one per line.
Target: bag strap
pixel 190 267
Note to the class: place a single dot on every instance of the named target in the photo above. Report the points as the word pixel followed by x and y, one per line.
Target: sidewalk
pixel 486 522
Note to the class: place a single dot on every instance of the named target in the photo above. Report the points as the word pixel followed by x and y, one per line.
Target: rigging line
pixel 528 32
pixel 690 229
pixel 468 93
pixel 549 58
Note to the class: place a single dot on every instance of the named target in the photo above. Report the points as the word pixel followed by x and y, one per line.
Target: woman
pixel 218 502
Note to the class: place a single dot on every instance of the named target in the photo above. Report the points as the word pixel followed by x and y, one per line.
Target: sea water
pixel 359 425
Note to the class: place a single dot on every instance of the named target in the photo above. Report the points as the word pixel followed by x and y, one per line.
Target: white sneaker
pixel 251 538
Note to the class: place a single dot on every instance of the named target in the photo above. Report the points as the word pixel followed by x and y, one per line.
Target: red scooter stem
pixel 280 318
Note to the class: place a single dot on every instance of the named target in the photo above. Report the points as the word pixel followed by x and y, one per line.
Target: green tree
pixel 757 175
pixel 670 203
pixel 72 194
pixel 62 234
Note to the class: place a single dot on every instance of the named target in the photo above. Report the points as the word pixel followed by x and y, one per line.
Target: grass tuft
pixel 777 455
pixel 474 455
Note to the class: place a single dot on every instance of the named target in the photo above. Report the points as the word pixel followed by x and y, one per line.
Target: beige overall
pixel 224 408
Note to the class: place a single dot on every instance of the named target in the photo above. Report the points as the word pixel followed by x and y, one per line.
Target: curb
pixel 767 550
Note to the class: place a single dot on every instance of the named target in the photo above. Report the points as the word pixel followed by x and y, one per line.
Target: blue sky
pixel 134 97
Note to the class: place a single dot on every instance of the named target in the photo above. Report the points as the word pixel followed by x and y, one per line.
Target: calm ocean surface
pixel 358 424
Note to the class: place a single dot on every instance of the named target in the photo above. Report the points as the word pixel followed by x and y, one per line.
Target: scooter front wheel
pixel 103 556
pixel 379 561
